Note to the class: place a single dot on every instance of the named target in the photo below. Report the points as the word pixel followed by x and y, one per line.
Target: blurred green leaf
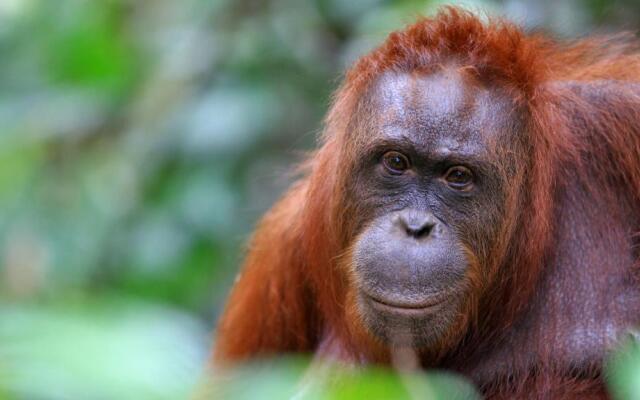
pixel 301 379
pixel 623 370
pixel 89 47
pixel 99 350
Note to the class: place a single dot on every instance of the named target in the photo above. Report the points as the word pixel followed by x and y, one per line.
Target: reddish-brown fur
pixel 293 294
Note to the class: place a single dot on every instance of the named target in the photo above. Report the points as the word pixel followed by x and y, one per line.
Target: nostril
pixel 416 224
pixel 419 230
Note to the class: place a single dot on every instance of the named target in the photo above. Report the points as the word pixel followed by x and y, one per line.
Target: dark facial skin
pixel 430 189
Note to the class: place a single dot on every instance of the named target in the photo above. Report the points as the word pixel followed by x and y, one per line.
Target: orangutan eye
pixel 396 163
pixel 459 177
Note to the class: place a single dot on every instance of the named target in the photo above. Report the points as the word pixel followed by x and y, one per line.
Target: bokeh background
pixel 140 140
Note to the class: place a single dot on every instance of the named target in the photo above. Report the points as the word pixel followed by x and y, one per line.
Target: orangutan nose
pixel 416 224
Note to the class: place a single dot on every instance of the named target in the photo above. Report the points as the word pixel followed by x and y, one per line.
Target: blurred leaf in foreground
pixel 112 350
pixel 297 379
pixel 623 370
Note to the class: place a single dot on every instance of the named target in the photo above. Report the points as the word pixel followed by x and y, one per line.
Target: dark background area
pixel 140 141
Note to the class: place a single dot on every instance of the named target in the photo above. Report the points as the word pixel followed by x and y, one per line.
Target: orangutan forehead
pixel 446 108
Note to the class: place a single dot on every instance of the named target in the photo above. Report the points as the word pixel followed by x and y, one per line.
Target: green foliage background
pixel 139 142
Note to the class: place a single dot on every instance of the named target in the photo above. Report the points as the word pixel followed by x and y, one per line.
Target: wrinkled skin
pixel 411 256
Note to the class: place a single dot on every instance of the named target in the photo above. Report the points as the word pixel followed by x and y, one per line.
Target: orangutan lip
pixel 407 307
